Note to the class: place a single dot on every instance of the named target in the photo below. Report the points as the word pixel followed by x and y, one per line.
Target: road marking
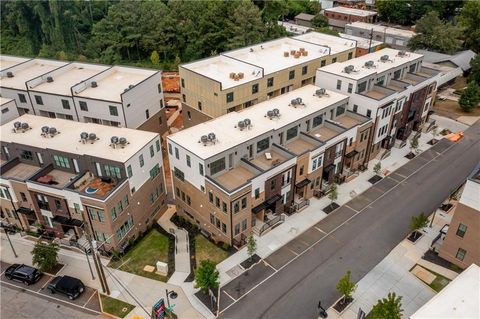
pixel 329 234
pixel 46 283
pixel 290 250
pixel 94 292
pixel 266 263
pixel 229 296
pixel 49 297
pixel 319 230
pixel 350 208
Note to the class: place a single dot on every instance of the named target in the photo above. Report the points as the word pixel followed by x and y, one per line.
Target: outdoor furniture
pixel 46 179
pixel 268 156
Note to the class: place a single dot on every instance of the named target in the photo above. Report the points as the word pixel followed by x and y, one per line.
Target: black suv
pixel 69 286
pixel 26 274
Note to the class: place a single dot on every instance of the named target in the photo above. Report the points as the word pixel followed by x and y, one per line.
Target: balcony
pixel 268 160
pixel 350 119
pixel 17 170
pixel 93 186
pixel 304 143
pixel 327 131
pixel 271 221
pixel 378 92
pixel 236 177
pixel 53 177
pixel 414 78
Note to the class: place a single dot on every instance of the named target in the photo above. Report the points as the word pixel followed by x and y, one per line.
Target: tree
pixel 436 35
pixel 176 63
pixel 206 276
pixel 387 308
pixel 469 19
pixel 346 287
pixel 414 144
pixel 320 21
pixel 251 246
pixel 475 71
pixel 327 30
pixel 333 195
pixel 45 255
pixel 377 167
pixel 246 25
pixel 61 56
pixel 470 97
pixel 417 223
pixel 394 11
pixel 155 58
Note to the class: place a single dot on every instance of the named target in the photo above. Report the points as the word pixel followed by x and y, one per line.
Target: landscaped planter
pixel 375 179
pixel 433 141
pixel 446 207
pixel 410 155
pixel 341 305
pixel 414 236
pixel 330 208
pixel 249 262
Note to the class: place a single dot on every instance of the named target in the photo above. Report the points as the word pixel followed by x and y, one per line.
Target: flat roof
pixel 471 195
pixel 336 44
pixel 115 82
pixel 270 55
pixel 69 75
pixel 228 136
pixel 7 61
pixel 4 100
pixel 361 42
pixel 28 71
pixel 460 299
pixel 352 11
pixel 69 138
pixel 360 71
pixel 294 28
pixel 219 68
pixel 381 28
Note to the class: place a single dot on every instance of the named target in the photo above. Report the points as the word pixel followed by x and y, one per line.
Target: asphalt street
pixel 355 237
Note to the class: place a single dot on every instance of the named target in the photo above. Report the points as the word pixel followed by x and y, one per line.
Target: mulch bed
pixel 207 300
pixel 414 236
pixel 433 141
pixel 375 179
pixel 54 271
pixel 249 262
pixel 446 207
pixel 341 305
pixel 330 208
pixel 433 257
pixel 410 155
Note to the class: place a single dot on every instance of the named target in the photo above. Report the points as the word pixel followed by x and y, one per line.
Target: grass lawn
pixel 439 283
pixel 115 307
pixel 152 248
pixel 204 249
pixel 452 109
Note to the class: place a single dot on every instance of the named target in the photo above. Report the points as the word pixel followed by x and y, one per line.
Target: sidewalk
pixel 392 274
pixel 296 224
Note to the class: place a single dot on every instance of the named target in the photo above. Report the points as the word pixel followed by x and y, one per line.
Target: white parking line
pixel 229 296
pixel 94 292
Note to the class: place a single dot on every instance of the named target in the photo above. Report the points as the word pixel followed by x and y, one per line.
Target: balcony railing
pixel 296 207
pixel 272 222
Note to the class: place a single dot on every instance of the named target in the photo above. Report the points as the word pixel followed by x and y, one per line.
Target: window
pixel 179 174
pixel 113 212
pixel 83 106
pixel 112 171
pixel 350 55
pixel 292 132
pixel 257 193
pixel 412 68
pixel 323 63
pixel 38 100
pixel 152 151
pixel 229 97
pixel 217 202
pixel 217 166
pixel 22 98
pixel 159 87
pixel 369 113
pixel 350 88
pixel 236 207
pixel 184 98
pixel 23 197
pixel 200 169
pixel 199 105
pixel 161 106
pixel 263 144
pixel 147 114
pixel 304 69
pixel 61 161
pixel 224 207
pixel 334 60
pixel 291 75
pixel 461 254
pixel 141 161
pixel 189 164
pixel 210 197
pixel 273 184
pixel 244 225
pixel 462 229
pixel 27 155
pixel 269 82
pixel 170 148
pixel 397 74
pixel 224 228
pixel 125 200
pixel 154 171
pixel 301 170
pixel 361 87
pixel 380 80
pixel 340 110
pixel 113 110
pixel 317 162
pixel 183 83
pixel 65 104
pixel 254 88
pixel 189 115
pixel 129 171
pixel 339 84
pixel 317 120
pixel 237 229
pixel 244 203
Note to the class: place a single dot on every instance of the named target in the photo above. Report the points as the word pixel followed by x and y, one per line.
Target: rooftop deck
pixel 324 133
pixel 91 185
pixel 378 92
pixel 348 121
pixel 21 171
pixel 300 146
pixel 265 164
pixel 55 178
pixel 234 178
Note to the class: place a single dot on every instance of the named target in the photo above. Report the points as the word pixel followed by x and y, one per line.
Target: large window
pixel 112 171
pixel 65 104
pixel 154 171
pixel 217 166
pixel 179 174
pixel 269 82
pixel 22 98
pixel 462 229
pixel 27 155
pixel 38 100
pixel 189 163
pixel 152 151
pixel 255 88
pixel 113 110
pixel 361 87
pixel 129 171
pixel 292 132
pixel 340 110
pixel 397 74
pixel 123 230
pixel 200 169
pixel 141 161
pixel 61 161
pixel 263 144
pixel 461 254
pixel 291 75
pixel 83 106
pixel 229 97
pixel 339 84
pixel 304 70
pixel 317 120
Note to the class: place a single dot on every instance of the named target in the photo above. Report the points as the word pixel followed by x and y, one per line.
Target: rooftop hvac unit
pixel 16 126
pixel 53 131
pixel 49 79
pixel 25 126
pixel 369 64
pixel 321 92
pixel 270 114
pixel 349 69
pixel 114 141
pixel 248 123
pixel 45 130
pixel 204 139
pixel 83 137
pixel 123 141
pixel 9 74
pixel 384 58
pixel 92 137
pixel 402 53
pixel 241 125
pixel 212 137
pixel 131 86
pixel 94 84
pixel 293 102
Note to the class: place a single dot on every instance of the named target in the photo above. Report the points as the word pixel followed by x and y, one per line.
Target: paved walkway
pixel 300 222
pixel 392 274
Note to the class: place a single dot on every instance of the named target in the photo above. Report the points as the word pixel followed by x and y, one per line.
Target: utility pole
pixel 88 261
pixel 98 265
pixel 9 241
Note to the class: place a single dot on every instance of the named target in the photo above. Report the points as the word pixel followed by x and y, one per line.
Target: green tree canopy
pixel 475 71
pixel 346 286
pixel 206 276
pixel 387 308
pixel 469 19
pixel 45 255
pixel 418 222
pixel 251 246
pixel 320 21
pixel 436 35
pixel 470 97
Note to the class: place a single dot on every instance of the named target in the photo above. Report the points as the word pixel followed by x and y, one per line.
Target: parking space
pixel 311 236
pixel 88 300
pixel 442 145
pixel 386 184
pixel 297 246
pixel 331 222
pixel 428 154
pixel 358 203
pixel 372 193
pixel 397 177
pixel 280 258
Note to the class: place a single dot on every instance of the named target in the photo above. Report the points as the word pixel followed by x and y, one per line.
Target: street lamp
pixel 321 311
pixel 172 294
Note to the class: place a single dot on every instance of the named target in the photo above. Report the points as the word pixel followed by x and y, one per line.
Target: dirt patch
pixel 342 304
pixel 451 109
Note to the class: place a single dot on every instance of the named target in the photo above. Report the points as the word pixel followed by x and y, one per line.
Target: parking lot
pixel 88 301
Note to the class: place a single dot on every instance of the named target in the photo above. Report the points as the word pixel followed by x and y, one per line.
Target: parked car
pixel 69 286
pixel 23 273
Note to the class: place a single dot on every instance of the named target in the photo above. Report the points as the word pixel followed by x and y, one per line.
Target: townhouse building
pixel 389 86
pixel 238 79
pixel 340 16
pixel 243 171
pixel 462 241
pixel 68 178
pixel 393 37
pixel 89 93
pixel 8 110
